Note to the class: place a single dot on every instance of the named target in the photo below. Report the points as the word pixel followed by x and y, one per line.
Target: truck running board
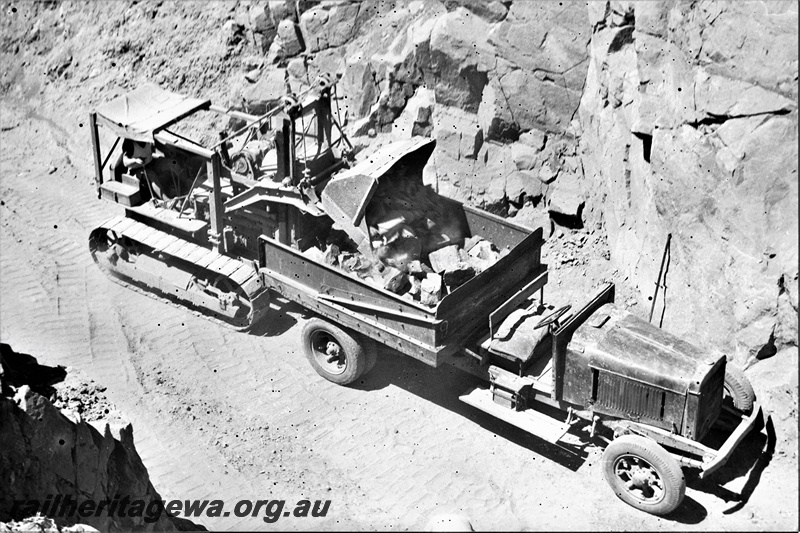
pixel 533 422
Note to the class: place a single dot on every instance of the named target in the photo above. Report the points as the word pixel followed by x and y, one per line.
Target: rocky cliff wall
pixel 689 126
pixel 641 118
pixel 648 118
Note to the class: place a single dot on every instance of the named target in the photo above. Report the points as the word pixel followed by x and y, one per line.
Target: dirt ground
pixel 224 415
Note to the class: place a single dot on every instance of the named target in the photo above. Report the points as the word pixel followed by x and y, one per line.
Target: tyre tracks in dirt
pixel 219 414
pixel 215 410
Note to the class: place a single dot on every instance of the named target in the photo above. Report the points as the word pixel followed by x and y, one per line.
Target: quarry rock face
pixel 50 452
pixel 685 133
pixel 544 48
pixel 642 118
pixel 648 117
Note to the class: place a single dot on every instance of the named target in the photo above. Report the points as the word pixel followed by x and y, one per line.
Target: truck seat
pixel 517 337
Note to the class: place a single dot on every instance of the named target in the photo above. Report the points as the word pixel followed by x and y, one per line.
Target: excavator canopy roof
pixel 140 113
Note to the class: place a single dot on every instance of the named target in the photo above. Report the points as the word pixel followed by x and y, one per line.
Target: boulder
pixel 536 139
pixel 547 174
pixel 492 11
pixel 525 156
pixel 458 274
pixel 718 96
pixel 431 289
pixel 288 42
pixel 546 44
pixel 330 24
pixel 393 279
pixel 262 25
pixel 416 118
pixel 456 132
pixel 233 32
pixel 331 255
pixel 483 250
pixel 566 198
pixel 359 87
pixel 460 58
pixel 269 87
pixel 407 56
pixel 494 115
pixel 297 69
pixel 444 258
pixel 521 184
pixel 281 10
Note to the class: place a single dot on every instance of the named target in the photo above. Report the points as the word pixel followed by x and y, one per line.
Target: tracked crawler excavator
pixel 192 217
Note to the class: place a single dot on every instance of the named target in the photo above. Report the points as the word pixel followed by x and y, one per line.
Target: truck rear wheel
pixel 738 390
pixel 335 354
pixel 370 353
pixel 644 475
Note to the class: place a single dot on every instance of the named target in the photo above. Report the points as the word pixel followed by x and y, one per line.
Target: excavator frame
pixel 198 248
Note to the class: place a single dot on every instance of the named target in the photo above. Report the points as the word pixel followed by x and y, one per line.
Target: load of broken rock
pixel 420 244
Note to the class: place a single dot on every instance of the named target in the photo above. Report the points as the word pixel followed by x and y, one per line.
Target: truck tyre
pixel 738 389
pixel 370 353
pixel 335 354
pixel 644 475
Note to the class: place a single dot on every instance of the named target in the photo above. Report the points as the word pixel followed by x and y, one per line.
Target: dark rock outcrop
pixel 46 452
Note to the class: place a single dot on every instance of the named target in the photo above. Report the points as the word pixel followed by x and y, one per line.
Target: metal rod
pixel 98 167
pixel 147 180
pixel 664 286
pixel 660 272
pixel 263 117
pixel 191 190
pixel 108 156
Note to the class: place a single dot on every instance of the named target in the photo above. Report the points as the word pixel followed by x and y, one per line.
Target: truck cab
pixel 659 395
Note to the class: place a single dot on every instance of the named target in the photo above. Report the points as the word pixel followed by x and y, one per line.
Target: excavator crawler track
pixel 150 261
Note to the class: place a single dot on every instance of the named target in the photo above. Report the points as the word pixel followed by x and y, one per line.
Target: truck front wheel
pixel 738 389
pixel 335 354
pixel 644 475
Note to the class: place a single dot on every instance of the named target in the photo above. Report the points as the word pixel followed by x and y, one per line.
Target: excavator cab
pixel 284 156
pixel 159 165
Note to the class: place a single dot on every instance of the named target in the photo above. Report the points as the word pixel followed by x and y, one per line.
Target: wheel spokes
pixel 329 353
pixel 639 478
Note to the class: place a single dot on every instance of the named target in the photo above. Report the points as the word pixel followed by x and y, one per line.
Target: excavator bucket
pixel 348 194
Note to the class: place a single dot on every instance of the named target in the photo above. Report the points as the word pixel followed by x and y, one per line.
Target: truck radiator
pixel 710 403
pixel 637 400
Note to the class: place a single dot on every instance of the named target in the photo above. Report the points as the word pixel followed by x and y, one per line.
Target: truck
pixel 245 209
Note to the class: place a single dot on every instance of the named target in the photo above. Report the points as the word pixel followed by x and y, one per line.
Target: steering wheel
pixel 242 163
pixel 552 317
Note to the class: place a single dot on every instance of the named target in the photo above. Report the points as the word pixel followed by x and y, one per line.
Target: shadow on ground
pixel 749 459
pixel 443 386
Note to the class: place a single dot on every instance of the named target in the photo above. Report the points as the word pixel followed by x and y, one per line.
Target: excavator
pixel 194 210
